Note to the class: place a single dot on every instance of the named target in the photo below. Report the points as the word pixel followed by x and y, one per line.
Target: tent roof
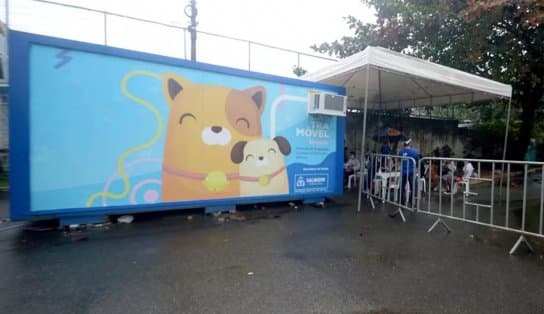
pixel 399 81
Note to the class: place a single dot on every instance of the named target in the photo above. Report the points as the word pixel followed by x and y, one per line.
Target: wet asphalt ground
pixel 276 260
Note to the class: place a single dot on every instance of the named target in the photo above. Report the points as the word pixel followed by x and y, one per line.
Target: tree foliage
pixel 299 71
pixel 498 39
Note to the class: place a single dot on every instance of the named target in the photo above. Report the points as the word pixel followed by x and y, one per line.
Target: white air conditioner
pixel 327 104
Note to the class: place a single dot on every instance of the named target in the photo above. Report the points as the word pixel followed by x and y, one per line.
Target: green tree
pixel 499 39
pixel 299 71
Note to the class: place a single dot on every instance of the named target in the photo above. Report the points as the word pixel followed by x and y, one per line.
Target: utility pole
pixel 192 12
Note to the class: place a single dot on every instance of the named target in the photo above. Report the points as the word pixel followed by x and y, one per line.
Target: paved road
pixel 279 260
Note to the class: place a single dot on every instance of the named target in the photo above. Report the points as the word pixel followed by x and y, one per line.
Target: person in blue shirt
pixel 385 149
pixel 407 171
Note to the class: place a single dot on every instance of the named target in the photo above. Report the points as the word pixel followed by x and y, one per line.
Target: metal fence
pixel 389 179
pixel 506 195
pixel 112 29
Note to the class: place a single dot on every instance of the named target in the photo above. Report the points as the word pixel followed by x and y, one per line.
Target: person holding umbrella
pixel 407 170
pixel 385 149
pixel 388 136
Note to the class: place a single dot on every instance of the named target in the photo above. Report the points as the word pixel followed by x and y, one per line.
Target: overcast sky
pixel 288 24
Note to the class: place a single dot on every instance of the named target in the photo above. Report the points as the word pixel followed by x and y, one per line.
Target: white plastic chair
pixel 421 186
pixel 394 184
pixel 466 183
pixel 377 186
pixel 354 178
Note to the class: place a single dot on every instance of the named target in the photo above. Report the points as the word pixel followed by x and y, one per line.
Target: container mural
pixel 110 128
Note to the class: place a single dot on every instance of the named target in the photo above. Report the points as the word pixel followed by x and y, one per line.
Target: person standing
pixel 385 162
pixel 407 170
pixel 385 149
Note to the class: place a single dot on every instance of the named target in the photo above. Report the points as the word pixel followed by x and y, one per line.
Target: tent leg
pixel 362 157
pixel 505 143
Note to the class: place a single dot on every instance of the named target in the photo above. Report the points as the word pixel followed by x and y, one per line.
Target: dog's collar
pixel 263 180
pixel 193 175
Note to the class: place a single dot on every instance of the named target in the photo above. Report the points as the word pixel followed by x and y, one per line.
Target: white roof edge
pixel 504 90
pixel 350 63
pixel 410 65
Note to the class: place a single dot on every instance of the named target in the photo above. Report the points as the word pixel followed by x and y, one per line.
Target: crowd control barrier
pixel 506 195
pixel 390 179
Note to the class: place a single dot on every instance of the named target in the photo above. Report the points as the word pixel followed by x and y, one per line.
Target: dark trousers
pixel 407 177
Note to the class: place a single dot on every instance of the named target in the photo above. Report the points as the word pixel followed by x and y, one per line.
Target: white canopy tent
pixel 396 79
pixel 378 78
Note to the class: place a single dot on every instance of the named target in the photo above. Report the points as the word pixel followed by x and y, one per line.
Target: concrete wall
pixel 426 134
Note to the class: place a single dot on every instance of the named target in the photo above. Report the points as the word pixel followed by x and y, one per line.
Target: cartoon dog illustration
pixel 204 123
pixel 262 166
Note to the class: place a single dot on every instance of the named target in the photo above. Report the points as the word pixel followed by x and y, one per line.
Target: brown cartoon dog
pixel 204 123
pixel 262 166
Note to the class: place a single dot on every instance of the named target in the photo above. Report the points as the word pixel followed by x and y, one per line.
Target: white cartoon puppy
pixel 262 166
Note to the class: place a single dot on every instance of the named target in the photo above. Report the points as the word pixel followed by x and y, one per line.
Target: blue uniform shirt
pixel 407 166
pixel 385 150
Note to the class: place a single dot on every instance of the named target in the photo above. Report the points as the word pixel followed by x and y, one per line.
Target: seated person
pixel 448 174
pixel 351 166
pixel 468 172
pixel 432 174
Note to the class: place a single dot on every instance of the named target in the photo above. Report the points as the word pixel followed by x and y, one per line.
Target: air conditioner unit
pixel 327 104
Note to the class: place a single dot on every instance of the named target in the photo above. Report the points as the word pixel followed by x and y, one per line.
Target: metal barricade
pixel 390 179
pixel 506 195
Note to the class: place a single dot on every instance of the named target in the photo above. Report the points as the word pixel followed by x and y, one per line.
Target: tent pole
pixel 505 144
pixel 380 87
pixel 507 129
pixel 362 157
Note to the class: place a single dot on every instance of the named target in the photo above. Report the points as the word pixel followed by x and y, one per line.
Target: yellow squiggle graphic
pixel 125 154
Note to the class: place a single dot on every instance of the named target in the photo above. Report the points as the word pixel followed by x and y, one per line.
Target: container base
pixel 81 220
